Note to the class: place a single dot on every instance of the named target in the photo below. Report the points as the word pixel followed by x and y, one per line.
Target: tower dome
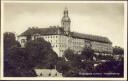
pixel 66 19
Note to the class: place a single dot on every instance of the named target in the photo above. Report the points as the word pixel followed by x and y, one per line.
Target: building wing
pixel 91 37
pixel 53 30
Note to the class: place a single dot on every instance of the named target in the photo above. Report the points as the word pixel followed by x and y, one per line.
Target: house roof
pixel 53 30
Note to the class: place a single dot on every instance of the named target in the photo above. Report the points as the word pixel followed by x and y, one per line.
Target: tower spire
pixel 66 11
pixel 65 22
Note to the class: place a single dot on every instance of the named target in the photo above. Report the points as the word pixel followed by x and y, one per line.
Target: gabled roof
pixel 53 30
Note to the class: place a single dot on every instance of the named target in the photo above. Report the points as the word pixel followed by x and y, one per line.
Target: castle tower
pixel 65 22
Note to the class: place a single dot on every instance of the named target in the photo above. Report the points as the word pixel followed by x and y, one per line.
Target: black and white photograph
pixel 64 39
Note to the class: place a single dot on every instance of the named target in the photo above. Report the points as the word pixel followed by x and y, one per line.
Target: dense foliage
pixel 40 53
pixel 118 50
pixel 82 65
pixel 16 61
pixel 22 61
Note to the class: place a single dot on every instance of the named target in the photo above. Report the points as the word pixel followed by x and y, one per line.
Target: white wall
pixel 48 73
pixel 20 39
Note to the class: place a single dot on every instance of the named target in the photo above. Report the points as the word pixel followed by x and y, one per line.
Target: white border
pixel 65 78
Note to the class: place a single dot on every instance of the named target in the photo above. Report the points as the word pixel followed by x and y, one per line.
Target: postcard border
pixel 65 78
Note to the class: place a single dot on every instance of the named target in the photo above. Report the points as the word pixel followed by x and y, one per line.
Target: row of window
pixel 61 50
pixel 55 36
pixel 41 74
pixel 77 51
pixel 23 41
pixel 54 45
pixel 50 36
pixel 55 41
pixel 101 47
pixel 76 41
pixel 75 47
pixel 52 41
pixel 59 45
pixel 63 38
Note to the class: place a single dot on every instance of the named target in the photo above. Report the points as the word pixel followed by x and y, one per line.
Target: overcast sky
pixel 105 19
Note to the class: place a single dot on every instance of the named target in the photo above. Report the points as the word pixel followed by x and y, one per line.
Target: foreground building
pixel 47 73
pixel 61 38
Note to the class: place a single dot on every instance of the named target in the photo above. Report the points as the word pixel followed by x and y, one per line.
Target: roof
pixel 53 30
pixel 91 37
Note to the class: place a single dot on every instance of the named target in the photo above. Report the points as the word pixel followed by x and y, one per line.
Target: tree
pixel 69 54
pixel 60 64
pixel 15 58
pixel 18 61
pixel 40 53
pixel 87 54
pixel 9 42
pixel 110 67
pixel 87 61
pixel 9 39
pixel 74 64
pixel 68 64
pixel 118 50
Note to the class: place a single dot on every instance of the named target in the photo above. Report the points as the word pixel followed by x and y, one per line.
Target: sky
pixel 104 19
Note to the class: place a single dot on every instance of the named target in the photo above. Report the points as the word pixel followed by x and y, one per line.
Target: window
pixel 56 74
pixel 23 41
pixel 41 74
pixel 49 74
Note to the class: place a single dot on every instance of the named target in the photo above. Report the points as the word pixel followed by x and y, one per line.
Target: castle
pixel 61 38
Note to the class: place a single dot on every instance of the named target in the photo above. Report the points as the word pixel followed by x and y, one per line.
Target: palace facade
pixel 61 38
